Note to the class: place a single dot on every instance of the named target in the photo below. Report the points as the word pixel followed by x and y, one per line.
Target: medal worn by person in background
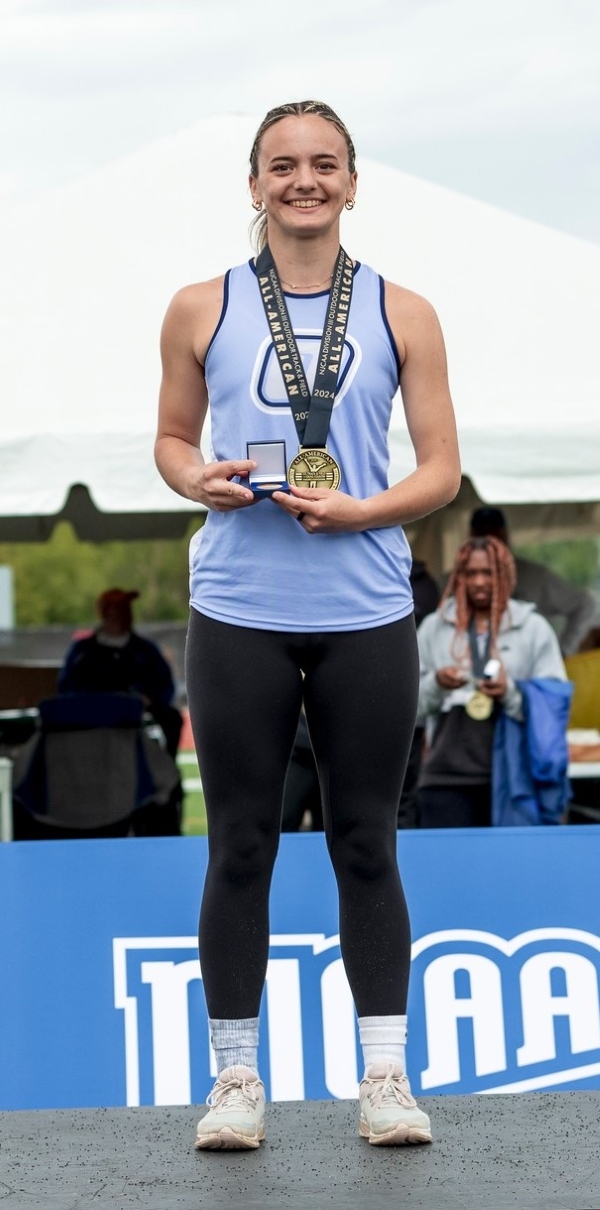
pixel 479 705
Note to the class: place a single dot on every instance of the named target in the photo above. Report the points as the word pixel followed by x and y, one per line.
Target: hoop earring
pixel 350 203
pixel 257 206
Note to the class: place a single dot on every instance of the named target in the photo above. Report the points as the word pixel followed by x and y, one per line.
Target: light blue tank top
pixel 257 566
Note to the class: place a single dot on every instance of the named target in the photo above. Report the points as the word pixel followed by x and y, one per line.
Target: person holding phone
pixel 302 595
pixel 473 650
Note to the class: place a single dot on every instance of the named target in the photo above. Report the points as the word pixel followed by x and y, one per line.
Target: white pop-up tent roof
pixel 88 271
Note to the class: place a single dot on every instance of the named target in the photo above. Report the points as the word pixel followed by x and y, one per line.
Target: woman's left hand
pixel 495 688
pixel 323 511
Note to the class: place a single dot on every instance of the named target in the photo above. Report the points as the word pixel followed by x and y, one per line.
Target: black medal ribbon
pixel 478 661
pixel 479 707
pixel 312 413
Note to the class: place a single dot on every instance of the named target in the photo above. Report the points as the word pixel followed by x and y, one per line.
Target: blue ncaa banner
pixel 102 1003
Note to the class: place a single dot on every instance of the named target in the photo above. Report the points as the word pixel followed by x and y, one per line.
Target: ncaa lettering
pixel 487 1014
pixel 526 1009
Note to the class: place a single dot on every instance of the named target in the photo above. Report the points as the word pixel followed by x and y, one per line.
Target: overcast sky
pixel 498 99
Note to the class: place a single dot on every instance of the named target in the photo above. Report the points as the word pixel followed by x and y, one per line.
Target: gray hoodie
pixel 527 646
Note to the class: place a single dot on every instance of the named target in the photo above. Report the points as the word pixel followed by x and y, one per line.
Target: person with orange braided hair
pixel 473 650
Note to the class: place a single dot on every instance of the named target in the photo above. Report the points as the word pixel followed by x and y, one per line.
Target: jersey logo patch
pixel 266 387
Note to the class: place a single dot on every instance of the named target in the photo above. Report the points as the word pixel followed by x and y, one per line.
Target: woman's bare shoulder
pixel 407 302
pixel 411 317
pixel 193 315
pixel 189 299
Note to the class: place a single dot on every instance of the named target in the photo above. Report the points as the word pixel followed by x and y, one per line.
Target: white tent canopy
pixel 89 269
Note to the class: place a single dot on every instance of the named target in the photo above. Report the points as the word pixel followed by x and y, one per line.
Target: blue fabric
pixel 530 758
pixel 138 667
pixel 76 711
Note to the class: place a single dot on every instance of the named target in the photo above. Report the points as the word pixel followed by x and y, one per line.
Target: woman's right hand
pixel 450 677
pixel 212 485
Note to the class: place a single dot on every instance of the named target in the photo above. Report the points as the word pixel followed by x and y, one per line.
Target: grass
pixel 194 813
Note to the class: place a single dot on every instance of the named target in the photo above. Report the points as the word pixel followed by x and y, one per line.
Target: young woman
pixel 462 693
pixel 303 594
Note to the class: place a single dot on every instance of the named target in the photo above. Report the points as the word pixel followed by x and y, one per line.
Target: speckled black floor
pixel 526 1152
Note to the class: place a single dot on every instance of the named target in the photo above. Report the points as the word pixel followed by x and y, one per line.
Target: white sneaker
pixel 389 1114
pixel 236 1117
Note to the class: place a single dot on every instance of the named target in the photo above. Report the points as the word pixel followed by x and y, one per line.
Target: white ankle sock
pixel 235 1042
pixel 383 1040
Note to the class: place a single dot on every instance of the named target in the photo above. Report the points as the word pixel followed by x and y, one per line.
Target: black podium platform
pixel 536 1151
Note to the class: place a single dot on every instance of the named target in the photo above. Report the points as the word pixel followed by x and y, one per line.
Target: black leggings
pixel 245 688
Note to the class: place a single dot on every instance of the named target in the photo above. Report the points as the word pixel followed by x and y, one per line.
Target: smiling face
pixel 303 176
pixel 479 580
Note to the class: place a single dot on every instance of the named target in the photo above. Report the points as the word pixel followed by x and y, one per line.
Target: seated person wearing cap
pixel 115 659
pixel 571 610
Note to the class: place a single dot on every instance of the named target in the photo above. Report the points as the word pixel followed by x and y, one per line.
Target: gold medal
pixel 479 706
pixel 314 468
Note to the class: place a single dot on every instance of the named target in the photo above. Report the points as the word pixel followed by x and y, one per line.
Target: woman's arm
pixel 431 694
pixel 431 425
pixel 429 414
pixel 187 330
pixel 438 676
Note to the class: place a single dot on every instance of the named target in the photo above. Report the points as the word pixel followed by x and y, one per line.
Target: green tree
pixel 58 581
pixel 576 560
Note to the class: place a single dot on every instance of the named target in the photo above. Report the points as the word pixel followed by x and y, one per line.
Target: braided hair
pixel 504 578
